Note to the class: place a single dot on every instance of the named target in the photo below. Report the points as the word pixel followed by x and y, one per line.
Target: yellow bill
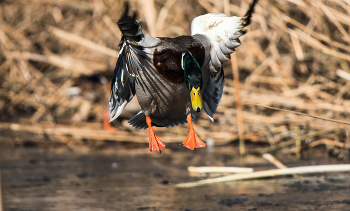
pixel 196 99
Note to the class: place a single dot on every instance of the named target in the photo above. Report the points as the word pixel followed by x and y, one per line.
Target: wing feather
pixel 213 92
pixel 135 53
pixel 223 33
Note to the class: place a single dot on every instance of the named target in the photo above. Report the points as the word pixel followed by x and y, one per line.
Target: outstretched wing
pixel 223 33
pixel 132 59
pixel 213 92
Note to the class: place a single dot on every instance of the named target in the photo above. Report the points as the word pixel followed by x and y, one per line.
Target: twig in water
pixel 273 160
pixel 219 169
pixel 269 173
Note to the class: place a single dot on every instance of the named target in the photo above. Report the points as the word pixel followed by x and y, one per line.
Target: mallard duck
pixel 174 78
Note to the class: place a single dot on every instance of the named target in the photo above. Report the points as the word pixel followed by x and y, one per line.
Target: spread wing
pixel 135 48
pixel 223 33
pixel 213 92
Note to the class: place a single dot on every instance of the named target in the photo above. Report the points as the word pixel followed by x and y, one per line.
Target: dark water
pixel 113 179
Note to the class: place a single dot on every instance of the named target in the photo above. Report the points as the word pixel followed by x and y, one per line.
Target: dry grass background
pixel 57 58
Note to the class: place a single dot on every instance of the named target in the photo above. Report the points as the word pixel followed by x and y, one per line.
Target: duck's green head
pixel 193 79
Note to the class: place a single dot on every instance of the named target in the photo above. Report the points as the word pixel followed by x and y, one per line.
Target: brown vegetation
pixel 57 58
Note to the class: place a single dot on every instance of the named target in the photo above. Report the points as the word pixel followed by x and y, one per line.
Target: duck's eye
pixel 194 93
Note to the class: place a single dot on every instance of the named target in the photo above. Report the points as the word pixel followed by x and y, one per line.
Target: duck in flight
pixel 174 78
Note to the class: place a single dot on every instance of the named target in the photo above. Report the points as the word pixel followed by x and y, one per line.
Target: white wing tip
pixel 114 113
pixel 211 118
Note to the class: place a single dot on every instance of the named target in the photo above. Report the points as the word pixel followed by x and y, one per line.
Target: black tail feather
pixel 248 15
pixel 129 26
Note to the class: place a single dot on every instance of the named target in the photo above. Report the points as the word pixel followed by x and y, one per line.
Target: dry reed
pixel 269 173
pixel 57 60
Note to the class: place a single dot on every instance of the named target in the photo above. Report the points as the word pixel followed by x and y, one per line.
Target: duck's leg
pixel 192 141
pixel 154 142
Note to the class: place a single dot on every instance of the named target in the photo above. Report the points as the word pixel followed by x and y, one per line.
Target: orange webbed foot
pixel 192 141
pixel 106 125
pixel 154 142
